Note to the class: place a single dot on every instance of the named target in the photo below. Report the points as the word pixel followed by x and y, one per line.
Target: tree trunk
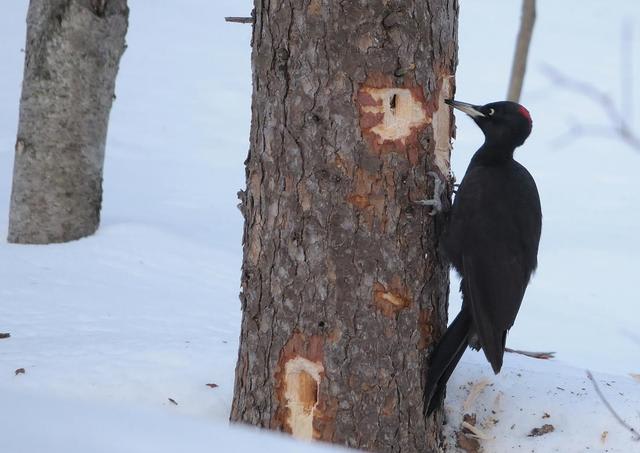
pixel 343 291
pixel 519 65
pixel 72 55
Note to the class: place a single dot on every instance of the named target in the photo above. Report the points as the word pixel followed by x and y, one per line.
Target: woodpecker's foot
pixel 434 203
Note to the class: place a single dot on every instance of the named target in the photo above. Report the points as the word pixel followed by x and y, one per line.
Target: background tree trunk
pixel 72 54
pixel 343 291
pixel 519 65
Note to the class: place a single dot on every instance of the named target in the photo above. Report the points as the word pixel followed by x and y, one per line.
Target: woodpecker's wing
pixel 493 287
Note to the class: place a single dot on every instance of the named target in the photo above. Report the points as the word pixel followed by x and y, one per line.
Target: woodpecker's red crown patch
pixel 525 113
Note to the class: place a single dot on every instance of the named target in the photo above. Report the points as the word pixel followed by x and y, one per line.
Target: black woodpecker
pixel 491 241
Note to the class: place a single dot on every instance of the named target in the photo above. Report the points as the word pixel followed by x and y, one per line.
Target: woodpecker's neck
pixel 494 154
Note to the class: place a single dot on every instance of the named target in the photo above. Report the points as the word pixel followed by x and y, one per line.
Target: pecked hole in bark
pixel 397 118
pixel 302 384
pixel 99 7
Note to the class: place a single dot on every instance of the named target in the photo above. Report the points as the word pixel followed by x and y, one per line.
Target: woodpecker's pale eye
pixel 491 112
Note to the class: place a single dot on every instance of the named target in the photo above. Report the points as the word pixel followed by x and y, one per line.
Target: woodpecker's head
pixel 504 123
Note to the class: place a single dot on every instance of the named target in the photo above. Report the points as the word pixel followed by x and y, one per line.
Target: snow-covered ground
pixel 111 327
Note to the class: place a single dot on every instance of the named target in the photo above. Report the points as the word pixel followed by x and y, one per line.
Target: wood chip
pixel 171 400
pixel 468 444
pixel 475 392
pixel 212 385
pixel 4 335
pixel 544 429
pixel 469 427
pixel 546 415
pixel 603 436
pixel 469 419
pixel 20 371
pixel 635 376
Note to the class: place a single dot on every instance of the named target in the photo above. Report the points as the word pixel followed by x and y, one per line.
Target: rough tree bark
pixel 343 291
pixel 72 54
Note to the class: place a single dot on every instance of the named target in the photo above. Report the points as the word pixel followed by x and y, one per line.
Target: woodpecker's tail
pixel 444 360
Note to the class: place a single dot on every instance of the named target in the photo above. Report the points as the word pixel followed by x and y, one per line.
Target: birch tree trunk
pixel 72 54
pixel 343 291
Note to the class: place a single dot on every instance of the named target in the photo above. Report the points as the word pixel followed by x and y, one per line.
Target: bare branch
pixel 577 130
pixel 523 42
pixel 534 355
pixel 240 20
pixel 619 128
pixel 636 435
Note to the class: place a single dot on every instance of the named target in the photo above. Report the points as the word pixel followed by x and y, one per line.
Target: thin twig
pixel 240 20
pixel 523 42
pixel 620 127
pixel 534 355
pixel 585 89
pixel 576 130
pixel 635 433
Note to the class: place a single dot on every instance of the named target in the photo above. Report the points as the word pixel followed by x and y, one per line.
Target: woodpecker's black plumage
pixel 491 240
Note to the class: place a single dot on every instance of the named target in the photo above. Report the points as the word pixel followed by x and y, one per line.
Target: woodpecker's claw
pixel 434 203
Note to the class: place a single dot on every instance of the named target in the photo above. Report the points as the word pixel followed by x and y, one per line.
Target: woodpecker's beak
pixel 471 110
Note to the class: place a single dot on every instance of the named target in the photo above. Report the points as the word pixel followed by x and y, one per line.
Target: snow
pixel 110 327
pixel 40 423
pixel 530 393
